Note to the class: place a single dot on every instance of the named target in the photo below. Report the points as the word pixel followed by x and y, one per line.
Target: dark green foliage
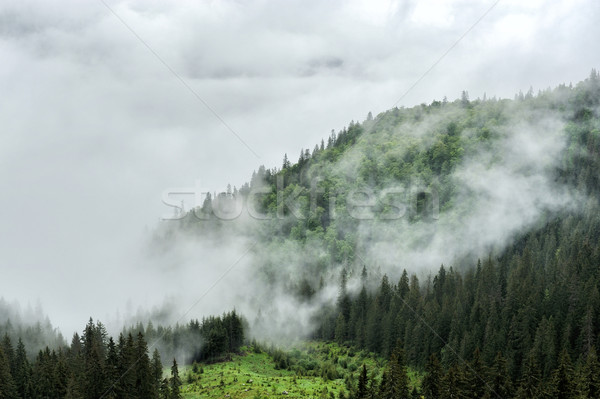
pixel 175 382
pixel 93 354
pixel 432 382
pixel 22 373
pixel 8 389
pixel 499 381
pixel 591 376
pixel 362 391
pixel 165 392
pixel 476 377
pixel 210 339
pixel 395 385
pixel 531 381
pixel 563 383
pixel 95 367
pixel 157 370
pixel 145 383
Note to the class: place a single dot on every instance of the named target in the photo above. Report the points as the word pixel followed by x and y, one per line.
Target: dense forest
pixel 95 366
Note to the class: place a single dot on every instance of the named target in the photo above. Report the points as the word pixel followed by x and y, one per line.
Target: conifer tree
pixel 7 386
pixel 591 375
pixel 562 384
pixel 125 386
pixel 453 384
pixel 363 380
pixel 476 376
pixel 9 352
pixel 165 392
pixel 144 374
pixel 112 370
pixel 61 374
pixel 22 374
pixel 432 382
pixel 529 386
pixel 93 362
pixel 157 370
pixel 396 386
pixel 500 384
pixel 174 382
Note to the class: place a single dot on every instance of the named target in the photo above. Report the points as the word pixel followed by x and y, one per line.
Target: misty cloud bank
pixel 502 192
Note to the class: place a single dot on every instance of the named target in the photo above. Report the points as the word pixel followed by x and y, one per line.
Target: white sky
pixel 94 127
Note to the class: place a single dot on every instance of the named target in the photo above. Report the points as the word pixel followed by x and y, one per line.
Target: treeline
pixel 32 326
pixel 94 366
pixel 210 339
pixel 473 379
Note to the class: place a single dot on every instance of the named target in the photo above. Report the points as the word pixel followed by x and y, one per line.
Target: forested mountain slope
pixel 414 188
pixel 503 194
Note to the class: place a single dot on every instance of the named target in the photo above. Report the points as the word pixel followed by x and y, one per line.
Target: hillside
pixel 503 194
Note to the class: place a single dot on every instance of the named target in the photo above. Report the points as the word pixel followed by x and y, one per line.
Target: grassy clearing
pixel 310 370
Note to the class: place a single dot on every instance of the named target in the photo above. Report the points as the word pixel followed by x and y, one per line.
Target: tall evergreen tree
pixel 432 381
pixel 396 386
pixel 454 384
pixel 530 383
pixel 157 370
pixel 22 375
pixel 144 374
pixel 8 389
pixel 112 370
pixel 363 380
pixel 563 385
pixel 476 374
pixel 175 382
pixel 9 352
pixel 591 375
pixel 94 383
pixel 500 383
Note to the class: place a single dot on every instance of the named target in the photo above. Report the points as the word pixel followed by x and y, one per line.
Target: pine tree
pixel 174 382
pixel 454 384
pixel 165 391
pixel 591 375
pixel 403 285
pixel 562 384
pixel 286 163
pixel 94 382
pixel 396 386
pixel 476 377
pixel 432 382
pixel 112 369
pixel 144 374
pixel 501 384
pixel 61 374
pixel 72 389
pixel 43 374
pixel 9 352
pixel 157 370
pixel 8 389
pixel 363 380
pixel 22 374
pixel 340 329
pixel 530 381
pixel 125 386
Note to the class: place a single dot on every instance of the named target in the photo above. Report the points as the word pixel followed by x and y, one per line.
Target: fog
pixel 95 127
